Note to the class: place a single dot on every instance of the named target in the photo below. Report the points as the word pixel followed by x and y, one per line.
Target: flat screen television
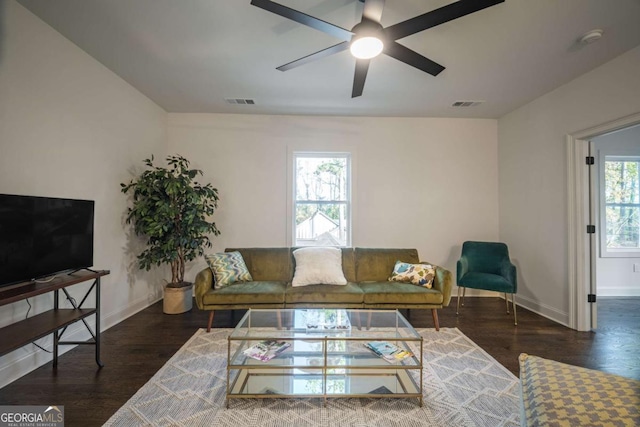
pixel 42 236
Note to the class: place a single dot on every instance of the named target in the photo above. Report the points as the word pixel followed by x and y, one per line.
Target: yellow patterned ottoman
pixel 556 394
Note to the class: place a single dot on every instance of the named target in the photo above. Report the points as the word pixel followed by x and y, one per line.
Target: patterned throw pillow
pixel 418 274
pixel 228 268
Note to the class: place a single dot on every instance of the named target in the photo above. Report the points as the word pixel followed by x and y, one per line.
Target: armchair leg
pixel 506 300
pixel 210 321
pixel 464 292
pixel 434 313
pixel 515 313
pixel 458 302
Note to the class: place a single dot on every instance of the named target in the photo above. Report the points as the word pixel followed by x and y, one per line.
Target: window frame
pixel 348 203
pixel 611 155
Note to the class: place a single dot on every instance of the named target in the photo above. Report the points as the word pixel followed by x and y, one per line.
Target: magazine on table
pixel 322 320
pixel 266 350
pixel 389 352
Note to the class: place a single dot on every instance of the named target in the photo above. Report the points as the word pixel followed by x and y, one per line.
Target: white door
pixel 593 233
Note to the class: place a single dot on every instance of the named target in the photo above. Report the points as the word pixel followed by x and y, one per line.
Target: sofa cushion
pixel 330 294
pixel 398 293
pixel 490 282
pixel 268 264
pixel 318 266
pixel 349 264
pixel 377 264
pixel 245 293
pixel 417 274
pixel 228 267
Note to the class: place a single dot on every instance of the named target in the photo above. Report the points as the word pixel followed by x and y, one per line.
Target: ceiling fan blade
pixel 362 66
pixel 324 8
pixel 304 19
pixel 373 10
pixel 314 56
pixel 436 17
pixel 410 57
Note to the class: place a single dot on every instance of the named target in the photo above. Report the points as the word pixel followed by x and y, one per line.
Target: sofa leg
pixel 210 321
pixel 434 313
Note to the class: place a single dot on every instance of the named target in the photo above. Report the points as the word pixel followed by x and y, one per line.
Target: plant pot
pixel 177 300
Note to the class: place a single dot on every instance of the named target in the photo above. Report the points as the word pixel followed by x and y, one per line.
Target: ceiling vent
pixel 240 101
pixel 466 103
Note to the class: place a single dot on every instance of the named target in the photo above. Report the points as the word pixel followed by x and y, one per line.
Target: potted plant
pixel 170 210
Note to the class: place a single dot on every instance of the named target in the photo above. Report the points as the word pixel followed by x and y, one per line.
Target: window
pixel 322 199
pixel 620 183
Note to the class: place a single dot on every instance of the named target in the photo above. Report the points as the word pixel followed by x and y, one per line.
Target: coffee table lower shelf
pixel 305 382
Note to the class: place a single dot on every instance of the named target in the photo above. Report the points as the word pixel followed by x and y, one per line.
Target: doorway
pixel 616 252
pixel 582 216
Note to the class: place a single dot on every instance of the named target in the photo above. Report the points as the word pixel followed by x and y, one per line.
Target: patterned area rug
pixel 463 386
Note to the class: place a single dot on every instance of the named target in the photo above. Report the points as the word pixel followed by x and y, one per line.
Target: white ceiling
pixel 189 55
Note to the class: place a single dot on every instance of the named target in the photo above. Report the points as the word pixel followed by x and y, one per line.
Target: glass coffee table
pixel 325 353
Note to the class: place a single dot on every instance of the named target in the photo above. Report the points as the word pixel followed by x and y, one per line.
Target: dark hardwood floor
pixel 137 347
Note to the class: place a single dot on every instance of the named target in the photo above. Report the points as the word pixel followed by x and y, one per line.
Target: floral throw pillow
pixel 418 274
pixel 228 268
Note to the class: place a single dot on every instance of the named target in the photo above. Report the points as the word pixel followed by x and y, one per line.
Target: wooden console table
pixel 54 321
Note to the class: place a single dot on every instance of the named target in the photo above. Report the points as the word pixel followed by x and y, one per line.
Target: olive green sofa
pixel 366 270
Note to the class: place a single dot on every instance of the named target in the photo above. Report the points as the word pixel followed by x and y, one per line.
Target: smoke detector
pixel 591 36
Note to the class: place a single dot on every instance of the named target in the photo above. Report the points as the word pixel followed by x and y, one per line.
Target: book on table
pixel 388 351
pixel 266 350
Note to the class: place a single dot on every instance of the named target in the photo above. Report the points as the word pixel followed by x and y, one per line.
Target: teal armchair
pixel 486 265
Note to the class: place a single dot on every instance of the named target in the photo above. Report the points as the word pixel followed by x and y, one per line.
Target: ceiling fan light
pixel 366 47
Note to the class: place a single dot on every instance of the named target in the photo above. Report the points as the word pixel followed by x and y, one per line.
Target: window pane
pixel 321 224
pixel 621 182
pixel 321 178
pixel 622 202
pixel 623 227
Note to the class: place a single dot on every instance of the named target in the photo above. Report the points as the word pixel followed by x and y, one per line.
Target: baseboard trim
pixel 618 292
pixel 474 293
pixel 24 360
pixel 543 310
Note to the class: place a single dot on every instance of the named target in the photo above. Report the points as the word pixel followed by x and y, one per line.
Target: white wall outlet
pixel 636 268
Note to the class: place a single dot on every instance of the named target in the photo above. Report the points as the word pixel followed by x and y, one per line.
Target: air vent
pixel 240 101
pixel 466 103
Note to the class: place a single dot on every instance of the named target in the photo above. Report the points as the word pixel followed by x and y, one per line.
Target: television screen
pixel 40 236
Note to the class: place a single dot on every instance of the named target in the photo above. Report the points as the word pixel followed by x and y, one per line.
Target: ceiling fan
pixel 368 38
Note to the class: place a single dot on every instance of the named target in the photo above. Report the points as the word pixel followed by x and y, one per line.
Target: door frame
pixel 580 259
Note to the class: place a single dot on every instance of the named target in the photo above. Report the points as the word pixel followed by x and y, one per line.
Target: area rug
pixel 462 386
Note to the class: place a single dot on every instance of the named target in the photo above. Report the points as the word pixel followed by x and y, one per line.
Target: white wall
pixel 615 275
pixel 424 183
pixel 532 168
pixel 71 128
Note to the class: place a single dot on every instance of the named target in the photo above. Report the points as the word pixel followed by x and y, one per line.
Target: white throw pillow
pixel 316 265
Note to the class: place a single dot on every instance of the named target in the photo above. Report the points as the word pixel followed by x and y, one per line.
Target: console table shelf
pixel 26 331
pixel 18 334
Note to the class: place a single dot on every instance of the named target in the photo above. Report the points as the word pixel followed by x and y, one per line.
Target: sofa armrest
pixel 442 282
pixel 204 283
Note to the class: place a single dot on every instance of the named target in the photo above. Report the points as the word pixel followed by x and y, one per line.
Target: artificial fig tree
pixel 171 210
